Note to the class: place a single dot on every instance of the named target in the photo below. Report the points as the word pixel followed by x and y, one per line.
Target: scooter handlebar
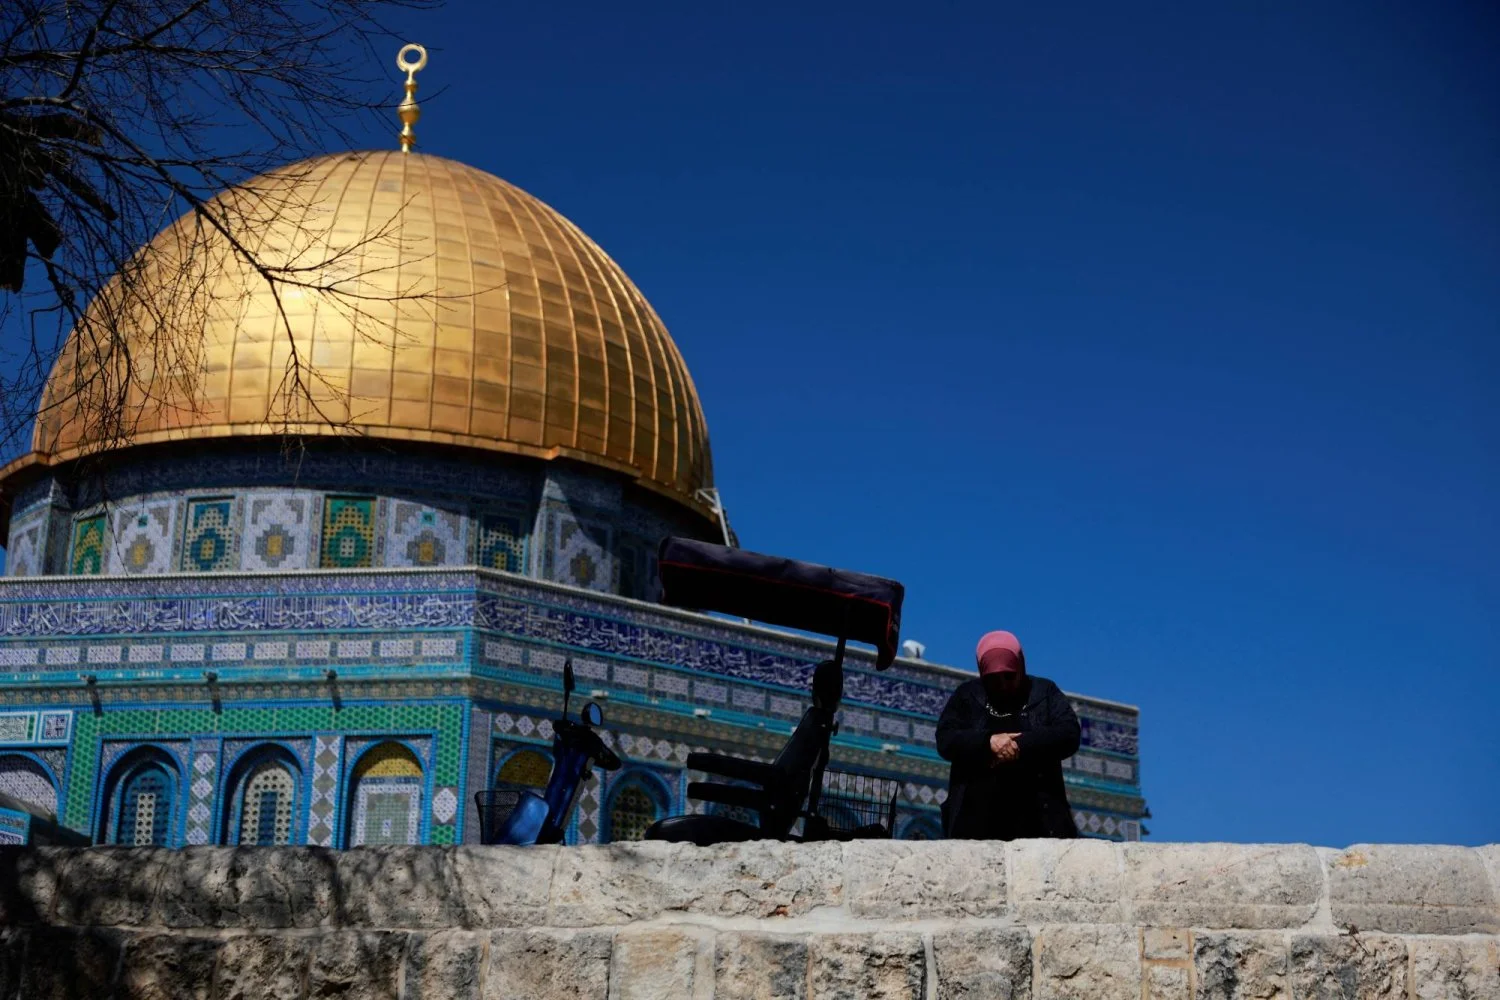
pixel 585 739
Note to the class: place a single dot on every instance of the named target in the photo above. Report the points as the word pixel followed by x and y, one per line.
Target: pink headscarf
pixel 1000 652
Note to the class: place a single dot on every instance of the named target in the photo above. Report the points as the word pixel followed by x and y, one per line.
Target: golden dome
pixel 428 301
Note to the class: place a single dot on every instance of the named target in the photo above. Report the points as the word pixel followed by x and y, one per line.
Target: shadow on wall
pixel 61 912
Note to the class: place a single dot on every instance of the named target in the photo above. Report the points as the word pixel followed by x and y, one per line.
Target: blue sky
pixel 1163 335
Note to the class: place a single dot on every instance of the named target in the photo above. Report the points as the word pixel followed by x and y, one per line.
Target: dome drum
pixel 255 509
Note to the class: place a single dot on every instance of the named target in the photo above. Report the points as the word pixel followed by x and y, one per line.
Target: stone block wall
pixel 1046 920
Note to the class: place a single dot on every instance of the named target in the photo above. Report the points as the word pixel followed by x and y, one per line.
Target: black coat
pixel 1025 797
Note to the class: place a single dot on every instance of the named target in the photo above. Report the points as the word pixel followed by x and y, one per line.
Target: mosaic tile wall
pixel 211 535
pixel 564 523
pixel 206 746
pixel 422 536
pixel 25 779
pixel 281 632
pixel 88 555
pixel 141 537
pixel 26 552
pixel 280 531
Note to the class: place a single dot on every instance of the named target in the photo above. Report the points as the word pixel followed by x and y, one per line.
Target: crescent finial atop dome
pixel 409 110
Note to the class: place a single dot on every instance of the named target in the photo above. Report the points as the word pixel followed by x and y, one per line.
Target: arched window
pixel 386 798
pixel 634 805
pixel 262 804
pixel 530 768
pixel 25 779
pixel 266 805
pixel 143 815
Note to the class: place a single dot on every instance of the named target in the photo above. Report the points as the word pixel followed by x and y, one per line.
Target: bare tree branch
pixel 119 116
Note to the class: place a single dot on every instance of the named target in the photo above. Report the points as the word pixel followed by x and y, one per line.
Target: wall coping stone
pixel 1398 889
pixel 938 920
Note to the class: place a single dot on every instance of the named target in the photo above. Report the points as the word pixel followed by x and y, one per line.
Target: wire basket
pixel 857 806
pixel 495 806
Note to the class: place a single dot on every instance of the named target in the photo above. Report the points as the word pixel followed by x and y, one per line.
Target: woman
pixel 1007 734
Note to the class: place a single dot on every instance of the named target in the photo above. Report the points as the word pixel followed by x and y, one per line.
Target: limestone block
pixel 1248 886
pixel 1066 881
pixel 547 965
pixel 913 879
pixel 993 963
pixel 1087 962
pixel 390 887
pixel 28 883
pixel 1348 967
pixel 1411 889
pixel 246 887
pixel 503 886
pixel 1241 966
pixel 357 965
pixel 612 884
pixel 112 888
pixel 260 966
pixel 1490 854
pixel 168 967
pixel 881 966
pixel 1454 969
pixel 70 964
pixel 762 878
pixel 759 967
pixel 443 966
pixel 1165 944
pixel 1166 982
pixel 620 883
pixel 662 964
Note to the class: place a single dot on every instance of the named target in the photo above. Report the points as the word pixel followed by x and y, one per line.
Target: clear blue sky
pixel 1163 335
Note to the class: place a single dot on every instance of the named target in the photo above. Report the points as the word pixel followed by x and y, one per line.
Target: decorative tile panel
pixel 424 536
pixel 141 538
pixel 203 780
pixel 23 778
pixel 501 542
pixel 348 533
pixel 55 727
pixel 17 727
pixel 279 532
pixel 19 657
pixel 87 557
pixel 210 542
pixel 325 790
pixel 578 552
pixel 24 555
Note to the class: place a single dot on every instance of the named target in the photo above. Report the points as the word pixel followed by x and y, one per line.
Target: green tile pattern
pixel 444 719
pixel 88 546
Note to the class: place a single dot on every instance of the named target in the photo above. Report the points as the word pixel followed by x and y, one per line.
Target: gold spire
pixel 409 109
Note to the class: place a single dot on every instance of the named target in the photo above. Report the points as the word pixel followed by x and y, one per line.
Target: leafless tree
pixel 119 116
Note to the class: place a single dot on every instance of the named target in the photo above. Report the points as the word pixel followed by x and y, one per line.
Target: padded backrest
pixel 804 751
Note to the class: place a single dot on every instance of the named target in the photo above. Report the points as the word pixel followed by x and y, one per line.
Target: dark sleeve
pixel 959 738
pixel 1058 736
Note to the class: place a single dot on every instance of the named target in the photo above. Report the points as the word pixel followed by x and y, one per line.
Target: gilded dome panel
pixel 427 301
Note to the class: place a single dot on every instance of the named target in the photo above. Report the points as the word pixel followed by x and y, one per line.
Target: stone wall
pixel 1041 919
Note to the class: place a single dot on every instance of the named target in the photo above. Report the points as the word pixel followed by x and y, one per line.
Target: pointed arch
pixel 385 797
pixel 528 766
pixel 637 798
pixel 265 802
pixel 27 779
pixel 143 800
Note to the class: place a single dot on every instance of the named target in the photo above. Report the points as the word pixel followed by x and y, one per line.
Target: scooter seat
pixel 703 830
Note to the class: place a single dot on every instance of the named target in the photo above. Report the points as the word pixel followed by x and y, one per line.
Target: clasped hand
pixel 1004 748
